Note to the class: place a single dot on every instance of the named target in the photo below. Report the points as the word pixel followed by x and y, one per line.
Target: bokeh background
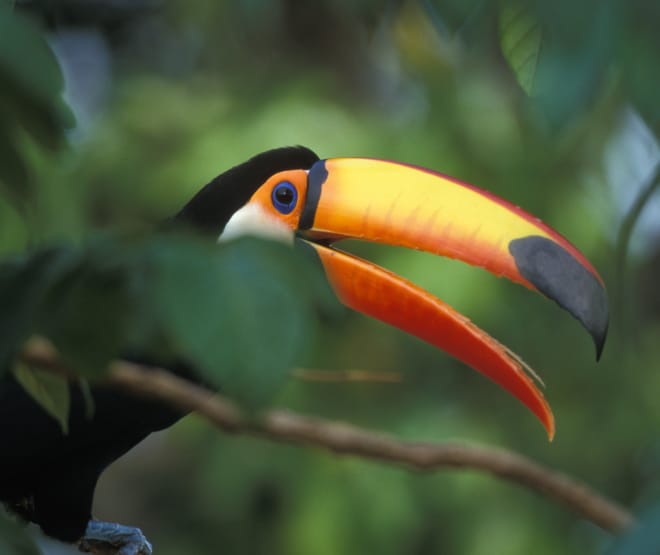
pixel 552 105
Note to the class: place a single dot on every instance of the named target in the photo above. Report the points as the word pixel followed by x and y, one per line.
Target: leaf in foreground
pixel 49 390
pixel 520 40
pixel 240 313
pixel 14 540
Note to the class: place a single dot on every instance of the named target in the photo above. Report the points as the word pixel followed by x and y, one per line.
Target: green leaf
pixel 14 172
pixel 14 539
pixel 25 282
pixel 31 86
pixel 520 41
pixel 49 390
pixel 21 43
pixel 88 313
pixel 239 312
pixel 78 299
pixel 576 60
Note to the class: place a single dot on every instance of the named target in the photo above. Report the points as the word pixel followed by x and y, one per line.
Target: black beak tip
pixel 600 344
pixel 557 274
pixel 599 333
pixel 598 329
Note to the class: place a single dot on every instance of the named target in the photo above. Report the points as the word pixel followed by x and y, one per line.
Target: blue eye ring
pixel 284 197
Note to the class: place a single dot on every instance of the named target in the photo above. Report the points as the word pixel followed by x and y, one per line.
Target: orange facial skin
pixel 263 196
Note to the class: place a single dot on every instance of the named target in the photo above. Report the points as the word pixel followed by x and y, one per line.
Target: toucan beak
pixel 396 204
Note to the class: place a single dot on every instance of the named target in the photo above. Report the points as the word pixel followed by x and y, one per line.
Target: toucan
pixel 49 477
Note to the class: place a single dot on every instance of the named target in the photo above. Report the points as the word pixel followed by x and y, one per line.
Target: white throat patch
pixel 253 220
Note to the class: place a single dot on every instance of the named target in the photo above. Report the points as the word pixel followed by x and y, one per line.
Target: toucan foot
pixel 129 540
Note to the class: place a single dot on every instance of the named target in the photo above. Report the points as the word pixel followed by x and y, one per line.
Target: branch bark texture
pixel 345 439
pixel 340 438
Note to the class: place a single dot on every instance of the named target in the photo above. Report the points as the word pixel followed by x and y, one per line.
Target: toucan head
pixel 290 192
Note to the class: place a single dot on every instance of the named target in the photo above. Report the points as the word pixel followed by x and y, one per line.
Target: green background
pixel 551 105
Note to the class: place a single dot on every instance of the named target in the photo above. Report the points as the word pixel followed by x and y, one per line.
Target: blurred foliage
pixel 195 87
pixel 173 299
pixel 14 540
pixel 521 40
pixel 30 101
pixel 49 390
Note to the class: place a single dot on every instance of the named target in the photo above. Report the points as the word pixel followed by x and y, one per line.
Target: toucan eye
pixel 285 197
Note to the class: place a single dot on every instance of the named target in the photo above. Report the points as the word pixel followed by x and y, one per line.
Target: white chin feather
pixel 253 220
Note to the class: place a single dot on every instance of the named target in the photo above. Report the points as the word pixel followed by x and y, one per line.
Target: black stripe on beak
pixel 315 180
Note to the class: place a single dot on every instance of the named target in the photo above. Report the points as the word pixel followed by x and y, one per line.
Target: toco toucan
pixel 48 477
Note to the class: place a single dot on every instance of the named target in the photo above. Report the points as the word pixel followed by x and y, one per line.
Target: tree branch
pixel 285 426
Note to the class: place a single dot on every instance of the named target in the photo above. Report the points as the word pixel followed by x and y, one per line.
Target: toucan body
pixel 49 477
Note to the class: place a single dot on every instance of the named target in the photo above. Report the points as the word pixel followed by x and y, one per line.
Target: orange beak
pixel 402 205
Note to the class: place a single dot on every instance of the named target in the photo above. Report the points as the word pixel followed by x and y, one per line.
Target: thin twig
pixel 623 241
pixel 285 426
pixel 344 376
